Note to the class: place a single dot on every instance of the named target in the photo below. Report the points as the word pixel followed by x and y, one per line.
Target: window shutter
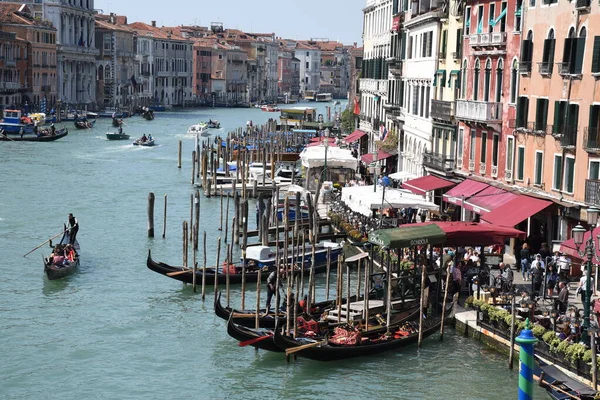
pixel 544 114
pixel 524 50
pixel 538 113
pixel 557 117
pixel 403 46
pixel 521 163
pixel 567 51
pixel 519 111
pixel 525 111
pixel 444 41
pixel 596 55
pixel 401 93
pixel 546 51
pixel 578 55
pixel 459 42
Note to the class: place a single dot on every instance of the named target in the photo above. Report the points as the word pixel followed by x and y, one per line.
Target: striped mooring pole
pixel 526 362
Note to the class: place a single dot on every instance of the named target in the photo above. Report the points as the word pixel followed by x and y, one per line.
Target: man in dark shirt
pixel 563 298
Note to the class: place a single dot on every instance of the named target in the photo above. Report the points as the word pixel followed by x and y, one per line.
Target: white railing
pixel 484 39
pixel 474 40
pixel 471 165
pixel 498 38
pixel 508 175
pixel 494 171
pixel 478 110
pixel 482 168
pixel 459 162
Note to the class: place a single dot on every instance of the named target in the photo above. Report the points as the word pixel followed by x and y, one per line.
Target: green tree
pixel 348 121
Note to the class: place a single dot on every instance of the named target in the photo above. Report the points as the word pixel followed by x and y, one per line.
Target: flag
pixel 384 134
pixel 133 81
pixel 356 106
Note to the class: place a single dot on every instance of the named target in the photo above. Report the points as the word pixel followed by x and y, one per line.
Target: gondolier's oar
pixel 37 247
pixel 305 346
pixel 255 340
pixel 2 133
pixel 179 272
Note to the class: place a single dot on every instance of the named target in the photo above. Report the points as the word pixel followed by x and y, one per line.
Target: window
pixel 513 82
pixel 467 21
pixel 541 114
pixel 573 52
pixel 480 18
pixel 307 65
pixel 596 55
pixel 483 155
pixel 520 163
pixel 548 54
pixel 106 43
pixel 503 19
pixel 461 134
pixel 422 107
pixel 463 74
pixel 487 80
pixel 594 170
pixel 444 42
pixel 510 149
pixel 522 111
pixel 458 44
pixel 491 17
pixel 499 76
pixel 476 80
pixel 556 180
pixel 539 163
pixel 560 109
pixel 410 45
pixel 569 174
pixel 495 150
pixel 518 12
pixel 472 146
pixel 427 100
pixel 593 126
pixel 526 53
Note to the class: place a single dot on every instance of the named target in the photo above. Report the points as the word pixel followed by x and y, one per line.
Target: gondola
pixel 370 343
pixel 559 385
pixel 148 115
pixel 235 277
pixel 262 338
pixel 56 272
pixel 247 318
pixel 44 136
pixel 116 136
pixel 84 124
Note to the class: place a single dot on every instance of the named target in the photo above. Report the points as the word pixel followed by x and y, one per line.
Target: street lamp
pixel 374 169
pixel 589 252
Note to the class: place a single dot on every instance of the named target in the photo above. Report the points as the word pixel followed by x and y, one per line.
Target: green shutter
pixel 557 172
pixel 578 58
pixel 559 113
pixel 596 55
pixel 403 46
pixel 401 93
pixel 538 114
pixel 551 51
pixel 545 114
pixel 519 112
pixel 567 50
pixel 520 163
pixel 546 51
pixel 570 174
pixel 444 41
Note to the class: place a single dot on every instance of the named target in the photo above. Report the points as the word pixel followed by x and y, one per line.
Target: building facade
pixel 76 52
pixel 202 68
pixel 310 66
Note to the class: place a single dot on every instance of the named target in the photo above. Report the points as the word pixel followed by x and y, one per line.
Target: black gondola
pixel 559 385
pixel 262 338
pixel 43 136
pixel 370 343
pixel 186 275
pixel 56 272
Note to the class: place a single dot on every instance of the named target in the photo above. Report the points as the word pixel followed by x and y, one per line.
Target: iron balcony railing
pixel 545 67
pixel 439 162
pixel 592 186
pixel 442 110
pixel 567 134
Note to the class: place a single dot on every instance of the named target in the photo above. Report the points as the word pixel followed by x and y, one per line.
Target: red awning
pixel 461 233
pixel 368 158
pixel 426 183
pixel 568 246
pixel 516 211
pixel 488 199
pixel 354 136
pixel 463 190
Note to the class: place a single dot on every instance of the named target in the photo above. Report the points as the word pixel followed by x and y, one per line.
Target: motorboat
pixel 200 128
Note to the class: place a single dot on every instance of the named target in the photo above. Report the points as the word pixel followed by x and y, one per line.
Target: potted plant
pixel 574 352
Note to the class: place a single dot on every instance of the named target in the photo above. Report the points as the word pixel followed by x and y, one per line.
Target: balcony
pixel 494 39
pixel 564 68
pixel 582 4
pixel 591 139
pixel 494 171
pixel 145 73
pixel 442 110
pixel 535 127
pixel 10 63
pixel 567 135
pixel 471 165
pixel 9 86
pixel 592 187
pixel 524 67
pixel 545 68
pixel 457 55
pixel 439 162
pixel 479 111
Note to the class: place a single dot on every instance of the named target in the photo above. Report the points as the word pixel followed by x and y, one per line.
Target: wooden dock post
pixel 444 302
pixel 358 279
pixel 179 155
pixel 327 277
pixel 151 215
pixel 185 244
pixel 197 218
pixel 366 299
pixel 347 292
pixel 193 166
pixel 257 321
pixel 217 264
pixel 340 285
pixel 221 224
pixel 423 305
pixel 244 279
pixel 296 286
pixel 226 219
pixel 511 349
pixel 164 232
pixel 227 264
pixel 191 224
pixel 204 267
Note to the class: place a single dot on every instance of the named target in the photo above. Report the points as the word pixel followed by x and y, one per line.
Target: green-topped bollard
pixel 526 340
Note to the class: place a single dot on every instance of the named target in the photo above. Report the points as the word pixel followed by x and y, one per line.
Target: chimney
pixel 112 18
pixel 154 24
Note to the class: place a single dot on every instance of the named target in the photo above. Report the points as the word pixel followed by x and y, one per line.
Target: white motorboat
pixel 200 128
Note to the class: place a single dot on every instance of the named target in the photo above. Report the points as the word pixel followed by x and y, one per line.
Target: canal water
pixel 118 330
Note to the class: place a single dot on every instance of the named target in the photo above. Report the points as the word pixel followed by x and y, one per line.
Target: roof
pixel 164 33
pixel 426 183
pixel 20 14
pixel 103 21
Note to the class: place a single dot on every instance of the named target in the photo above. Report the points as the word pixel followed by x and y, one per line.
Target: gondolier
pixel 73 228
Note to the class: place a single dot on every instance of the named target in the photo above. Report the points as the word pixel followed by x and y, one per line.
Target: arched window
pixel 476 80
pixel 548 54
pixel 499 81
pixel 487 80
pixel 514 81
pixel 463 75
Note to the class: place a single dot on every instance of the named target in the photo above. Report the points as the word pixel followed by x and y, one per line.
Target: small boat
pixel 324 97
pixel 261 338
pixel 148 114
pixel 213 124
pixel 349 342
pixel 559 385
pixel 142 142
pixel 270 108
pixel 42 136
pixel 201 128
pixel 116 136
pixel 14 122
pixel 117 122
pixel 84 124
pixel 54 271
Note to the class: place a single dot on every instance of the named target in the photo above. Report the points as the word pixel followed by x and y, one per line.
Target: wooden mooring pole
pixel 444 302
pixel 179 155
pixel 511 350
pixel 151 215
pixel 164 232
pixel 217 264
pixel 204 267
